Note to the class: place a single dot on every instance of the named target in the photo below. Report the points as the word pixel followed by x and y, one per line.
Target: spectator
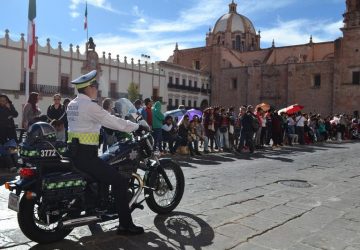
pixel 108 136
pixel 146 112
pixel 7 115
pixel 157 121
pixel 259 116
pixel 59 129
pixel 232 118
pixel 209 126
pixel 217 118
pixel 170 134
pixel 299 127
pixel 138 106
pixel 224 123
pixel 276 123
pixel 237 131
pixel 57 112
pixel 31 110
pixel 200 133
pixel 246 133
pixel 263 129
pixel 184 134
pixel 193 138
pixel 290 130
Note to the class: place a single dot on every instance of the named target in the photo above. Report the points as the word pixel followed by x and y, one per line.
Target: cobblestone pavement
pixel 296 198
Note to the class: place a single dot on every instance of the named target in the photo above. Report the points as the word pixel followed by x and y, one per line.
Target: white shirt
pixel 299 121
pixel 290 121
pixel 166 127
pixel 85 116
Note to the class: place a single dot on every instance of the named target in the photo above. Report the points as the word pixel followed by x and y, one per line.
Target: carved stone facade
pixel 325 77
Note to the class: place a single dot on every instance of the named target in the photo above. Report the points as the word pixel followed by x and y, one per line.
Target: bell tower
pixel 232 7
pixel 346 89
pixel 352 14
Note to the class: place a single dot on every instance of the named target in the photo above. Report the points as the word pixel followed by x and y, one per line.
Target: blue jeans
pixel 157 134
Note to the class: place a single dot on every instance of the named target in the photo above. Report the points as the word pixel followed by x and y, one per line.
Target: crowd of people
pixel 217 130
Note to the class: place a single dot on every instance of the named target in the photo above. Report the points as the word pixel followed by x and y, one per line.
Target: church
pixel 324 77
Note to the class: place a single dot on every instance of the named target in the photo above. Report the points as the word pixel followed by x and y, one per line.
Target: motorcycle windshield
pixel 125 109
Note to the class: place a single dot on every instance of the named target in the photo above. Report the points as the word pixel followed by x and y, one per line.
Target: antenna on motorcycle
pixel 63 160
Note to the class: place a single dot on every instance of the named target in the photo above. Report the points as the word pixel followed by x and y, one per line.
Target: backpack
pixel 255 123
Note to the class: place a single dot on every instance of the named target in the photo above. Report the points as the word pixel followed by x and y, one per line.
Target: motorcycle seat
pixel 89 179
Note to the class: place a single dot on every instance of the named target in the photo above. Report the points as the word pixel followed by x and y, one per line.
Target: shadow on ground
pixel 178 230
pixel 283 154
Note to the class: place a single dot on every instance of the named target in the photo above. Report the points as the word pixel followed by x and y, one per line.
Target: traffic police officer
pixel 85 118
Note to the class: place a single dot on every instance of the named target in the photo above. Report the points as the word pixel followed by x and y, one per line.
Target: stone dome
pixel 233 22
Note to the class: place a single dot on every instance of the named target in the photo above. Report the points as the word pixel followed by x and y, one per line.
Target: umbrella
pixel 193 112
pixel 264 106
pixel 291 109
pixel 176 113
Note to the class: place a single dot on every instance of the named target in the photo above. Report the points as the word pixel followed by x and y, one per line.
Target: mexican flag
pixel 31 31
pixel 85 20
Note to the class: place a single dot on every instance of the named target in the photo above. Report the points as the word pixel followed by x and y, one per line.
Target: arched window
pixel 218 40
pixel 238 42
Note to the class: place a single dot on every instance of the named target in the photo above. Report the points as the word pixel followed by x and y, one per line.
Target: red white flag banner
pixel 85 20
pixel 31 32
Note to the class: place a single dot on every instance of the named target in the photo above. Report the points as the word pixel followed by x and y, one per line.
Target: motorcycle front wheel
pixel 34 228
pixel 162 200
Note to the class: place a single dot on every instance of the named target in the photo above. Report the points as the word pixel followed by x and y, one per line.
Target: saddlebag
pixel 64 186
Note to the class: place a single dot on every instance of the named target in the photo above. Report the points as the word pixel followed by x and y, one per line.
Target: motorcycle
pixel 51 197
pixel 9 155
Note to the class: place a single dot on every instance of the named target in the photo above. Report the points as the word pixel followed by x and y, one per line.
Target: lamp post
pixel 145 57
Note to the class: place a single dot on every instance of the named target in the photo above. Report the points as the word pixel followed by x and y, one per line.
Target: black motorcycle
pixel 52 197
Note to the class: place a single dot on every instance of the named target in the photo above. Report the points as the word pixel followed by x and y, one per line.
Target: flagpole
pixel 30 44
pixel 27 80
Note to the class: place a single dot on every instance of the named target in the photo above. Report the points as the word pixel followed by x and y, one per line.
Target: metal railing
pixel 48 89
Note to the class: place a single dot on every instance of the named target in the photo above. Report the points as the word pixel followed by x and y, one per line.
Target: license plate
pixel 14 201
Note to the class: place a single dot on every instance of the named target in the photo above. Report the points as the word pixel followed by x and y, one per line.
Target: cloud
pixel 74 14
pixel 298 32
pixel 202 14
pixel 102 4
pixel 158 49
pixel 250 6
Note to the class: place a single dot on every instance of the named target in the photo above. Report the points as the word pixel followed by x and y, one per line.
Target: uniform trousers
pixel 87 160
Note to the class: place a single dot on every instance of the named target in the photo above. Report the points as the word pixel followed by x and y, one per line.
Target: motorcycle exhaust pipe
pixel 80 221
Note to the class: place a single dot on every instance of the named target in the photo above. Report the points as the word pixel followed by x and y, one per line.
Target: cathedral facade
pixel 324 77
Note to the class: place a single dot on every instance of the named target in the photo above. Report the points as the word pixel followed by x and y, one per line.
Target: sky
pixel 134 28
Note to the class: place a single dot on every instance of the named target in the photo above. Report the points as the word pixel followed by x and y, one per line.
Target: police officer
pixel 85 118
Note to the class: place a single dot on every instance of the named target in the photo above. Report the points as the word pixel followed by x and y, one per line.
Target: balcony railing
pixel 117 95
pixel 48 89
pixel 182 87
pixel 205 91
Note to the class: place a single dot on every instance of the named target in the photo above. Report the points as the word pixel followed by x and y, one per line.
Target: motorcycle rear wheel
pixel 31 228
pixel 162 200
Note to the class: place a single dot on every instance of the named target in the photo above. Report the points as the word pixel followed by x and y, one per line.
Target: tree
pixel 133 91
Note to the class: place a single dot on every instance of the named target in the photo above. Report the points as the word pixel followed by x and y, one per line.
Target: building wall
pixel 51 63
pixel 198 96
pixel 279 85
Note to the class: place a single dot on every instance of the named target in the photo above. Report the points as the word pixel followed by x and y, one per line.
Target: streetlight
pixel 145 57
